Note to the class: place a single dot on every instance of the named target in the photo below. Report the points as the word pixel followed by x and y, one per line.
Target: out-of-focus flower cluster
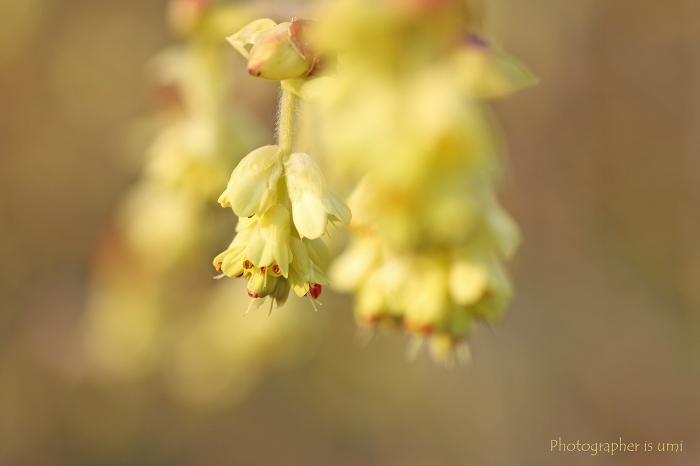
pixel 147 310
pixel 404 113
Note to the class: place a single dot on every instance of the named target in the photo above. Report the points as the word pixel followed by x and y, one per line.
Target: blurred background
pixel 602 340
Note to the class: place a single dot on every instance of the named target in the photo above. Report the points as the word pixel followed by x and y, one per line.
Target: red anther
pixel 247 265
pixel 425 329
pixel 262 270
pixel 276 269
pixel 253 295
pixel 315 290
pixel 218 266
pixel 239 275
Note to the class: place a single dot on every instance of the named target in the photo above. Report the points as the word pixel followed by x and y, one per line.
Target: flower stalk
pixel 285 122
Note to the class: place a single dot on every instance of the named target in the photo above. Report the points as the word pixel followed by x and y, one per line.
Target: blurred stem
pixel 285 123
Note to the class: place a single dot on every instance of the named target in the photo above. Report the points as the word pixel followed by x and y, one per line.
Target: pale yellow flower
pixel 313 203
pixel 305 273
pixel 277 53
pixel 265 243
pixel 269 243
pixel 253 182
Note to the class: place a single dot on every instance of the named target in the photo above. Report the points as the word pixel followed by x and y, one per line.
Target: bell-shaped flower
pixel 262 247
pixel 305 273
pixel 468 281
pixel 354 265
pixel 232 262
pixel 253 182
pixel 261 285
pixel 425 298
pixel 279 51
pixel 269 242
pixel 313 203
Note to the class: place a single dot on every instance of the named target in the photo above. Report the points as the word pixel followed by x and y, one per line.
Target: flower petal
pixel 468 281
pixel 337 208
pixel 274 228
pixel 309 216
pixel 318 251
pixel 250 34
pixel 251 182
pixel 307 188
pixel 300 262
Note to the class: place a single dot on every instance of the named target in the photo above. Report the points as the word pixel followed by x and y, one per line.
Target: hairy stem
pixel 285 122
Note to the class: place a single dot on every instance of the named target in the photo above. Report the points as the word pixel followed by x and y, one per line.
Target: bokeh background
pixel 601 342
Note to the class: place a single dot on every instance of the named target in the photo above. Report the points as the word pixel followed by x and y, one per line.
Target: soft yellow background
pixel 600 343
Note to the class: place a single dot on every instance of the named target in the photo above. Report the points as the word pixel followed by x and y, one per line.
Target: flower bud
pixel 275 57
pixel 186 15
pixel 281 291
pixel 261 285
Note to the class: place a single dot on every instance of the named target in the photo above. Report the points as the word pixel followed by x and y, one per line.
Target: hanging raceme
pixel 404 115
pixel 280 197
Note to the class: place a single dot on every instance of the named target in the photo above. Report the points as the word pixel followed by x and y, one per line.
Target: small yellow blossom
pixel 312 202
pixel 269 243
pixel 253 182
pixel 278 51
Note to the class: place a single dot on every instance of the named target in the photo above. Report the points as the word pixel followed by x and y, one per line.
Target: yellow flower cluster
pixel 404 113
pixel 280 197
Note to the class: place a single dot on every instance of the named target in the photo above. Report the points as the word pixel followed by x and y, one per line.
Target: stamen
pixel 414 346
pixel 218 266
pixel 364 334
pixel 276 269
pixel 247 265
pixel 463 353
pixel 315 290
pixel 313 303
pixel 252 301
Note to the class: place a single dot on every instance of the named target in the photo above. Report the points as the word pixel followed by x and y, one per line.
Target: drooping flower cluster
pixel 404 113
pixel 280 197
